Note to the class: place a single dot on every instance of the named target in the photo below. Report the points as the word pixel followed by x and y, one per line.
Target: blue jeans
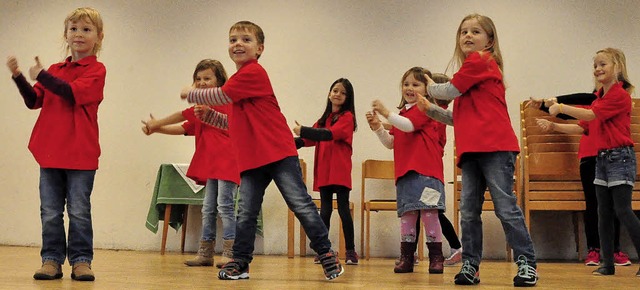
pixel 287 175
pixel 219 197
pixel 495 171
pixel 616 166
pixel 73 187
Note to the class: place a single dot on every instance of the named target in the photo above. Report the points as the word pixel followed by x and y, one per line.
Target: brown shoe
pixel 227 253
pixel 82 272
pixel 204 258
pixel 50 270
pixel 436 259
pixel 407 249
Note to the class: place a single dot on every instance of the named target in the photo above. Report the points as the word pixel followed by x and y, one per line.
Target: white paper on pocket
pixel 430 196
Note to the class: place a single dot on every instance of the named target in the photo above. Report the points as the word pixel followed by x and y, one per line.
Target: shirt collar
pixel 85 61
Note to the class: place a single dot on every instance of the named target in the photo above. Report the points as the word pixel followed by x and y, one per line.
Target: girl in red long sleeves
pixel 65 143
pixel 332 135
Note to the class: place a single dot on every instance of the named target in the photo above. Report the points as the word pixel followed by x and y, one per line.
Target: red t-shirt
pixel 332 165
pixel 258 128
pixel 612 126
pixel 421 150
pixel 480 117
pixel 65 135
pixel 214 157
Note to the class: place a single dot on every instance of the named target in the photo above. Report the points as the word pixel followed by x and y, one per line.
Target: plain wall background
pixel 151 48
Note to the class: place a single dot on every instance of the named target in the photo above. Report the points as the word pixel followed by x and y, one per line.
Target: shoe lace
pixel 467 269
pixel 524 270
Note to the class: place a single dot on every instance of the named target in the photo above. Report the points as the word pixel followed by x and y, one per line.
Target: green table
pixel 172 195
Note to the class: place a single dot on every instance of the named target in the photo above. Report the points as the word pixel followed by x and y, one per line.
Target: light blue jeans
pixel 73 187
pixel 287 176
pixel 219 197
pixel 493 170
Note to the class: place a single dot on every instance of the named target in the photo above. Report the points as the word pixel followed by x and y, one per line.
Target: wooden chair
pixel 551 170
pixel 382 170
pixel 488 203
pixel 303 236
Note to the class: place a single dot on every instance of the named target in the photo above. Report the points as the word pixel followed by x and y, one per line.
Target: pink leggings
pixel 431 225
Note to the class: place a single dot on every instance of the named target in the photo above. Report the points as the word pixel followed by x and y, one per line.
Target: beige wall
pixel 151 48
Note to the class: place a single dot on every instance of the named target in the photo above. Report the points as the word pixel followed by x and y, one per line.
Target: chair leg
pixel 368 250
pixel 290 234
pixel 421 243
pixel 303 242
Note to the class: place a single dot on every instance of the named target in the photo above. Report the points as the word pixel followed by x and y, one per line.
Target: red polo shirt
pixel 258 128
pixel 421 150
pixel 65 135
pixel 214 157
pixel 612 126
pixel 332 160
pixel 480 117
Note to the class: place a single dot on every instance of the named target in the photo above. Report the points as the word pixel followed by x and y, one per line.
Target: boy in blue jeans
pixel 266 152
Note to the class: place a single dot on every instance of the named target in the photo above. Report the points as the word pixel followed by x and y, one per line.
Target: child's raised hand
pixel 545 124
pixel 550 101
pixel 373 120
pixel 430 81
pixel 423 104
pixel 554 109
pixel 36 69
pixel 296 129
pixel 534 103
pixel 201 111
pixel 185 92
pixel 150 126
pixel 378 107
pixel 12 64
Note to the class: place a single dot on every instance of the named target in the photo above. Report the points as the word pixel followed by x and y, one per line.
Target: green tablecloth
pixel 172 188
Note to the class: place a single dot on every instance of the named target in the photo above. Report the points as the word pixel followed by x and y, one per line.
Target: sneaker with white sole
pixel 331 265
pixel 468 275
pixel 621 259
pixel 234 270
pixel 454 259
pixel 527 275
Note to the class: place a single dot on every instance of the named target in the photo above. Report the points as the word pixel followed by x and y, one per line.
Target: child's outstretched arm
pixel 212 117
pixel 209 96
pixel 435 112
pixel 79 91
pixel 153 124
pixel 548 126
pixel 443 91
pixel 400 122
pixel 376 126
pixel 167 130
pixel 575 112
pixel 314 134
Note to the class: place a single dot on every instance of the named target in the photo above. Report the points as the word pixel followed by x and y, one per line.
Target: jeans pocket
pixel 430 196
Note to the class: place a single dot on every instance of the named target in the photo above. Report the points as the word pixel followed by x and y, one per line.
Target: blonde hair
pixel 417 73
pixel 487 25
pixel 91 15
pixel 620 61
pixel 250 27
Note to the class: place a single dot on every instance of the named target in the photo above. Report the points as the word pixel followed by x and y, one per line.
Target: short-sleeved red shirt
pixel 612 126
pixel 258 127
pixel 215 156
pixel 66 135
pixel 480 117
pixel 421 150
pixel 332 160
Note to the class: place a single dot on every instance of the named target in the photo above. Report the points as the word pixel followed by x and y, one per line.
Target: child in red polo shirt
pixel 608 121
pixel 332 135
pixel 486 146
pixel 266 152
pixel 418 146
pixel 65 144
pixel 217 169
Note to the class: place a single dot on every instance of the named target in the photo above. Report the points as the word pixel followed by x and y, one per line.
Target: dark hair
pixel 215 66
pixel 349 104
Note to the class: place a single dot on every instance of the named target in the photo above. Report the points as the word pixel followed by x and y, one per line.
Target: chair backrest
pixel 375 169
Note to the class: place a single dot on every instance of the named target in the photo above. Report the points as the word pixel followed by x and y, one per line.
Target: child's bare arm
pixel 167 130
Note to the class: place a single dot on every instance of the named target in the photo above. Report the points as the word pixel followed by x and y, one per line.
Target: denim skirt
pixel 416 191
pixel 615 167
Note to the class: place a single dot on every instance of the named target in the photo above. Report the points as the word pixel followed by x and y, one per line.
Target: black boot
pixel 436 259
pixel 406 258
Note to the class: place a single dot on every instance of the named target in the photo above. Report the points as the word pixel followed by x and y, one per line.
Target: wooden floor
pixel 150 270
